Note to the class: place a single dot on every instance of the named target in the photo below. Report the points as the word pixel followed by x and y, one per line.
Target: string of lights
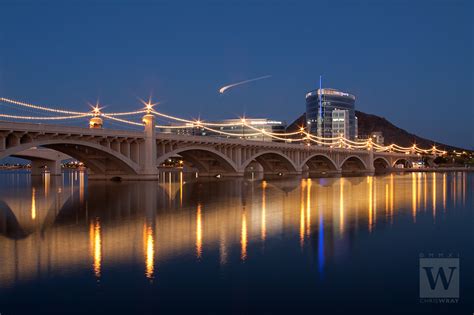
pixel 319 137
pixel 121 120
pixel 175 126
pixel 332 142
pixel 231 134
pixel 195 122
pixel 126 113
pixel 60 111
pixel 44 117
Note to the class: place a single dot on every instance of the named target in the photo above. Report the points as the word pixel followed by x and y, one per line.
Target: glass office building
pixel 340 123
pixel 320 121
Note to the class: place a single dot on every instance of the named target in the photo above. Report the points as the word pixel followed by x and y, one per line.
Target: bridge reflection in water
pixel 56 225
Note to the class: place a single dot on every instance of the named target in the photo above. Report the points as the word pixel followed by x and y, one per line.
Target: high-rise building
pixel 320 106
pixel 340 123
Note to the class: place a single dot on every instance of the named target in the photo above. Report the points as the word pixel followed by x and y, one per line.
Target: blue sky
pixel 408 61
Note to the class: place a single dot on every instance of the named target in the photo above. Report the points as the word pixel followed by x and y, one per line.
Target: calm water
pixel 183 245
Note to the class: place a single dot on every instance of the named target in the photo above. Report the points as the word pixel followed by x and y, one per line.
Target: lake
pixel 193 245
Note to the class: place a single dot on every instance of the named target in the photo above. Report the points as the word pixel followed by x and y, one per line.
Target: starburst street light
pixel 149 105
pixel 96 122
pixel 96 109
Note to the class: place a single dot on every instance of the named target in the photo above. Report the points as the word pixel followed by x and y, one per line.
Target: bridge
pixel 136 155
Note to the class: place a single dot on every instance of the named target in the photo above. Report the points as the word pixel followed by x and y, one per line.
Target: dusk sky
pixel 408 61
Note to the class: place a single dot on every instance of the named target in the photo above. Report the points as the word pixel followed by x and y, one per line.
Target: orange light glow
pixel 371 201
pixel 434 195
pixel 341 205
pixel 97 247
pixel 33 204
pixel 308 207
pixel 264 210
pixel 302 210
pixel 413 194
pixel 198 232
pixel 243 237
pixel 149 252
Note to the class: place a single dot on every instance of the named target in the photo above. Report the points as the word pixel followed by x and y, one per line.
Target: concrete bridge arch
pixel 207 160
pixel 381 164
pixel 100 159
pixel 406 162
pixel 320 164
pixel 354 164
pixel 273 162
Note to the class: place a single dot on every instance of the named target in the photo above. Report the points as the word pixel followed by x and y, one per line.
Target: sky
pixel 411 62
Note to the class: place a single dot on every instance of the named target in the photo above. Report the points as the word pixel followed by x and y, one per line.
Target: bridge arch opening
pixel 381 165
pixel 320 165
pixel 353 164
pixel 402 163
pixel 101 161
pixel 25 139
pixel 207 161
pixel 272 163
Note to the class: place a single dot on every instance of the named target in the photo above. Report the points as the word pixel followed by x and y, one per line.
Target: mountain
pixel 368 123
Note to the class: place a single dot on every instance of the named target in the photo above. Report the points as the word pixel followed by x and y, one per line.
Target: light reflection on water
pixel 61 225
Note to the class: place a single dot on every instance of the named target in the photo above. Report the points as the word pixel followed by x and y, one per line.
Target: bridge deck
pixel 137 154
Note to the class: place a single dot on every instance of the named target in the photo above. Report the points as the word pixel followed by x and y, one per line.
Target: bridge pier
pixel 276 175
pixel 149 167
pixel 282 173
pixel 3 141
pixel 38 167
pixel 324 173
pixel 134 177
pixel 220 174
pixel 370 164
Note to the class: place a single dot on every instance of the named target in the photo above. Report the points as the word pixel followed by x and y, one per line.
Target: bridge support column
pixel 3 140
pixel 125 148
pixel 54 168
pixel 222 174
pixel 370 162
pixel 135 152
pixel 38 167
pixel 324 173
pixel 149 167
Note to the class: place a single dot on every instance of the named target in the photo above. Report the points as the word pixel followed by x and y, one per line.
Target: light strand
pixel 45 117
pixel 6 100
pixel 340 142
pixel 122 120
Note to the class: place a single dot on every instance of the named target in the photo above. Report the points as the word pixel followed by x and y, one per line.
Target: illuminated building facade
pixel 320 106
pixel 233 128
pixel 340 123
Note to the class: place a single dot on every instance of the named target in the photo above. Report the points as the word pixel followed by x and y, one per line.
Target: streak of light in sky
pixel 224 88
